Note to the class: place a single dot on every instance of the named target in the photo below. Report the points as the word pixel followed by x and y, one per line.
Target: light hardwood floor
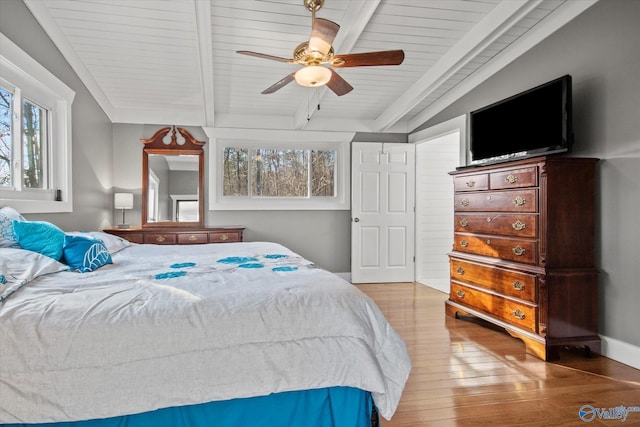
pixel 467 373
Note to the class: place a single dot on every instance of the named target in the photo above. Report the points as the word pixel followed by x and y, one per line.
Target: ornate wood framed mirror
pixel 172 179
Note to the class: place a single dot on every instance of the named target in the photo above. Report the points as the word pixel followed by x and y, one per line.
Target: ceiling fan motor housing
pixel 304 56
pixel 313 5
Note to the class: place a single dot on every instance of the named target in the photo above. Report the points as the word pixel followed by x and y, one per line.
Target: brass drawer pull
pixel 518 225
pixel 464 222
pixel 488 242
pixel 471 183
pixel 489 219
pixel 488 197
pixel 518 250
pixel 464 243
pixel 160 239
pixel 193 238
pixel 464 202
pixel 460 293
pixel 460 270
pixel 519 201
pixel 518 286
pixel 224 237
pixel 511 179
pixel 518 314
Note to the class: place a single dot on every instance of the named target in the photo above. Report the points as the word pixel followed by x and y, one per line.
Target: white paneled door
pixel 382 212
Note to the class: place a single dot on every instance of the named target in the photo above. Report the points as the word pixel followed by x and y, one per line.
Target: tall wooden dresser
pixel 523 252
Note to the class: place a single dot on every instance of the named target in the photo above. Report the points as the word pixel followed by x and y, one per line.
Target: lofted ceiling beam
pixel 205 57
pixel 560 17
pixel 504 16
pixel 356 18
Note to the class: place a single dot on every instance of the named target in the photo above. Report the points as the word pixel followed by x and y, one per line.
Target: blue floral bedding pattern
pixel 284 324
pixel 278 263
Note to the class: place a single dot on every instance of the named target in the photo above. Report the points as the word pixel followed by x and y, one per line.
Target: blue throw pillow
pixel 40 236
pixel 85 254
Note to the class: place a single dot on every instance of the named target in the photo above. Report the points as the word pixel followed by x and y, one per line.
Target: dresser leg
pixel 536 348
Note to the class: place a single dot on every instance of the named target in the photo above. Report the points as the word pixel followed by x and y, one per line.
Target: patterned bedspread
pixel 175 325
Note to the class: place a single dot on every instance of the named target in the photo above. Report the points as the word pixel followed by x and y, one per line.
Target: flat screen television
pixel 535 122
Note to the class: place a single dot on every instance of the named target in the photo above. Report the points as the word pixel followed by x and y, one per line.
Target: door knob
pixel 356 220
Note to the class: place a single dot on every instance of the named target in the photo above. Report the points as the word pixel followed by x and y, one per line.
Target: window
pixel 278 172
pixel 287 174
pixel 35 135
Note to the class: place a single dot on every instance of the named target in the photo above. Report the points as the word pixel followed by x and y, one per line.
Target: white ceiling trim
pixel 48 23
pixel 496 23
pixel 548 26
pixel 205 56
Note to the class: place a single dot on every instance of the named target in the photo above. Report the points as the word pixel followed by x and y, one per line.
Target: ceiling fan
pixel 318 50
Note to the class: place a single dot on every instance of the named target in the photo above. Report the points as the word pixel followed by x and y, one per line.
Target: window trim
pixel 27 74
pixel 276 139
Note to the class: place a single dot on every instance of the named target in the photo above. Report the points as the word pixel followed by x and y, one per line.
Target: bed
pixel 240 333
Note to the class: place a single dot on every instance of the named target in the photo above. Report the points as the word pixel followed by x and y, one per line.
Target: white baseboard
pixel 621 351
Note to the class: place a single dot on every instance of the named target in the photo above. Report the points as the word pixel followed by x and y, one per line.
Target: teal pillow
pixel 85 254
pixel 40 236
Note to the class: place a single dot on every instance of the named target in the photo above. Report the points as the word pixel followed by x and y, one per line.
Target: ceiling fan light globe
pixel 313 76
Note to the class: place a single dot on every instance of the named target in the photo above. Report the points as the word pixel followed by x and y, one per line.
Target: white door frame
pixel 432 265
pixel 382 208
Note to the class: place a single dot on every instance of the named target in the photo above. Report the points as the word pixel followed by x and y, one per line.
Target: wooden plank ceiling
pixel 175 61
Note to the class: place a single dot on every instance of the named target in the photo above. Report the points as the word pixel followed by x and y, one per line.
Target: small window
pixel 287 175
pixel 35 135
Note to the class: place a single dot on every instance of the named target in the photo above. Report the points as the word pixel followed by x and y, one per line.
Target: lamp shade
pixel 313 76
pixel 123 200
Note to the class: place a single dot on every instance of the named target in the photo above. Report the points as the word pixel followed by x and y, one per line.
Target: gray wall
pixel 323 237
pixel 91 128
pixel 600 50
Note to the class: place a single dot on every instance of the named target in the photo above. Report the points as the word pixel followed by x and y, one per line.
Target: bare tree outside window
pixel 236 171
pixel 283 173
pixel 6 143
pixel 33 150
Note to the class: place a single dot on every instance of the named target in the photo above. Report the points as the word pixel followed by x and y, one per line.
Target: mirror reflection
pixel 172 194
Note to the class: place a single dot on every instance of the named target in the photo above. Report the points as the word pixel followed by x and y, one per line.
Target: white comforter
pixel 176 325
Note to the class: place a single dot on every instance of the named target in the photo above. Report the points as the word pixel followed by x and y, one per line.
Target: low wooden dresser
pixel 523 252
pixel 179 236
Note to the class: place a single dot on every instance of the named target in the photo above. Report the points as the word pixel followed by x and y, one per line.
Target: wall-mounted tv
pixel 535 122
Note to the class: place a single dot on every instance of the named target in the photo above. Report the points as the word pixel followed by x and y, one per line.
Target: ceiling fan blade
pixel 323 33
pixel 280 84
pixel 339 85
pixel 385 57
pixel 264 56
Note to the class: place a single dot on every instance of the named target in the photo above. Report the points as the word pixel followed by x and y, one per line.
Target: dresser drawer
pixel 225 237
pixel 497 201
pixel 517 225
pixel 192 238
pixel 471 182
pixel 525 251
pixel 514 178
pixel 507 282
pixel 160 238
pixel 513 312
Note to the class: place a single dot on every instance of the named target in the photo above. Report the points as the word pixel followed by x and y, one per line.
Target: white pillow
pixel 113 243
pixel 20 266
pixel 8 237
